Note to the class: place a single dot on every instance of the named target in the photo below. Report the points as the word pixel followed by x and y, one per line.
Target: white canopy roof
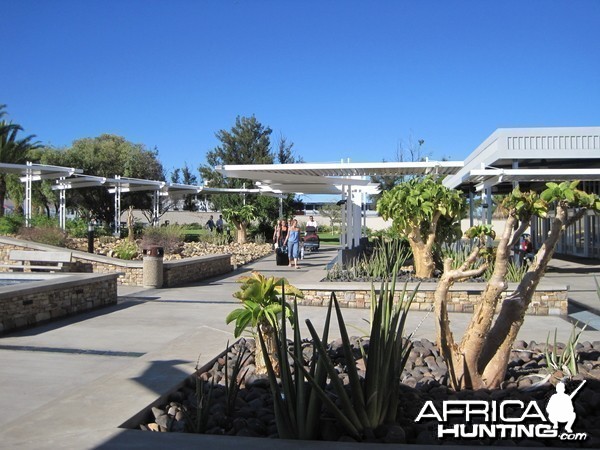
pixel 328 178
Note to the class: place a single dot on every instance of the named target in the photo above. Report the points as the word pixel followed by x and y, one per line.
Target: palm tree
pixel 12 150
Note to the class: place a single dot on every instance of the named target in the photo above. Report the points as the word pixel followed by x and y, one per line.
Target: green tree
pixel 106 156
pixel 422 210
pixel 185 175
pixel 333 212
pixel 13 150
pixel 481 359
pixel 248 142
pixel 260 312
pixel 241 218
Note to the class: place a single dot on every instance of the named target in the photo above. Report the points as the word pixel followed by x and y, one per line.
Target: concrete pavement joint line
pixel 78 351
pixel 216 329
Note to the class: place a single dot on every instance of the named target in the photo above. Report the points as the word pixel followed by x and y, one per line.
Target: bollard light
pixel 90 236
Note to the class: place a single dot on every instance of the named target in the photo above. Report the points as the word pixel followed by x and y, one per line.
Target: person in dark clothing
pixel 283 231
pixel 210 223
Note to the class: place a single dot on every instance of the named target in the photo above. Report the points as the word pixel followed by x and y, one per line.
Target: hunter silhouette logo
pixel 560 407
pixel 506 419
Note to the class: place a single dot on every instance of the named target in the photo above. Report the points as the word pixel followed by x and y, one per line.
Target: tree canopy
pixel 422 210
pixel 13 150
pixel 248 142
pixel 108 155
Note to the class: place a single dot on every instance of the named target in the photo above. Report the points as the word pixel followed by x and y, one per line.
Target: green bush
pixel 126 250
pixel 44 221
pixel 10 224
pixel 77 228
pixel 168 237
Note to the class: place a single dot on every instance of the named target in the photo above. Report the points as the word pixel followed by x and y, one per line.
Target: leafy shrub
pixel 126 250
pixel 44 221
pixel 50 235
pixel 10 224
pixel 77 228
pixel 325 229
pixel 168 237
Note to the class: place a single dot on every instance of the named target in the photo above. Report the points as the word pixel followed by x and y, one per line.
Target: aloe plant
pixel 260 311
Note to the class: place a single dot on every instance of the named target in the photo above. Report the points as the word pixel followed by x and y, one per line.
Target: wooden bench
pixel 27 259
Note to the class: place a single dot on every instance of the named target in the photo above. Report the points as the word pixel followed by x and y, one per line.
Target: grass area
pixel 329 238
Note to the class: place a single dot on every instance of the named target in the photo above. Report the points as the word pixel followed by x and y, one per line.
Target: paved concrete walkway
pixel 72 383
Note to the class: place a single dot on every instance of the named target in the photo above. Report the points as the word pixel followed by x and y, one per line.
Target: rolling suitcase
pixel 281 256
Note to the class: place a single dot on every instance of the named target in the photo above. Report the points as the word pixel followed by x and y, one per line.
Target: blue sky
pixel 340 79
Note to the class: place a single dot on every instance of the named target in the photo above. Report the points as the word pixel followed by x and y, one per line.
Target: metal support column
pixel 356 213
pixel 117 230
pixel 489 205
pixel 343 221
pixel 349 216
pixel 155 208
pixel 62 208
pixel 28 183
pixel 471 209
pixel 280 206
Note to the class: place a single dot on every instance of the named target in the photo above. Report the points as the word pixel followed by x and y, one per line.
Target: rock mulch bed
pixel 424 379
pixel 241 253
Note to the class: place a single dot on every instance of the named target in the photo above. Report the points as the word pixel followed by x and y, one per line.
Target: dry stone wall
pixel 58 296
pixel 130 273
pixel 550 301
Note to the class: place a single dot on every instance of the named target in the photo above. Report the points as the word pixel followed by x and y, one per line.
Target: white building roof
pixel 533 155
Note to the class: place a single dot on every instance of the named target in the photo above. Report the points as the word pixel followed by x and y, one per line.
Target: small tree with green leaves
pixel 481 358
pixel 260 312
pixel 418 208
pixel 240 218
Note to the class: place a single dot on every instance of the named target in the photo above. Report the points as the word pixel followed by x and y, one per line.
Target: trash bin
pixel 153 266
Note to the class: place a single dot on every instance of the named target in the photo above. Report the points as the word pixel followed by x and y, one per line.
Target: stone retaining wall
pixel 55 296
pixel 546 300
pixel 130 272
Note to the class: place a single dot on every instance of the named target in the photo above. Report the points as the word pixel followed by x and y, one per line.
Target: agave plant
pixel 563 364
pixel 296 402
pixel 374 401
pixel 260 311
pixel 371 401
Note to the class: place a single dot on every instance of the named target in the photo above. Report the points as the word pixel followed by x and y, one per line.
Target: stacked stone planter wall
pixel 130 272
pixel 53 297
pixel 547 300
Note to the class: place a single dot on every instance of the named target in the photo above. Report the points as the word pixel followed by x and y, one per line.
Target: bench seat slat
pixel 27 255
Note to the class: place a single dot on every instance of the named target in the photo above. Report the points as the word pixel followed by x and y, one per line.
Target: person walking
pixel 312 223
pixel 283 231
pixel 220 224
pixel 293 243
pixel 210 224
pixel 276 233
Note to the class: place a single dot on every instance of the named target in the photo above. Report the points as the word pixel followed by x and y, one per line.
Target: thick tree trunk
pixel 423 260
pixel 496 352
pixel 242 232
pixel 422 248
pixel 268 335
pixel 482 357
